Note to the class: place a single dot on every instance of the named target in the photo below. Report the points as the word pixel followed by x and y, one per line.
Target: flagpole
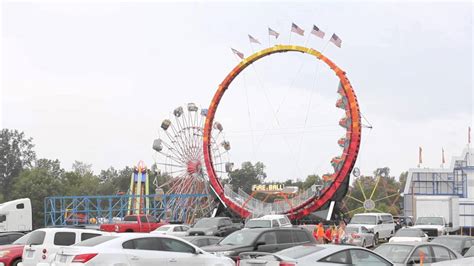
pixel 289 42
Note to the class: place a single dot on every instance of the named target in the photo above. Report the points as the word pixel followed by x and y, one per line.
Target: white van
pixel 381 224
pixel 268 221
pixel 41 247
pixel 15 216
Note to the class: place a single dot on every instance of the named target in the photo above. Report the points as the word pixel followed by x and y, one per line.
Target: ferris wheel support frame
pixel 349 155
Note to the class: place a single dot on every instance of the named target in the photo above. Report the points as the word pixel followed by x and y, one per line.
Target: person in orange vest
pixel 318 233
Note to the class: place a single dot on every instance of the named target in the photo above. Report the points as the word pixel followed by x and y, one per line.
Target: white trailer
pixel 16 216
pixel 439 206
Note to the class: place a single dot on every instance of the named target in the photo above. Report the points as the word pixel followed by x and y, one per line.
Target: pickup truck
pixel 216 226
pixel 433 226
pixel 133 223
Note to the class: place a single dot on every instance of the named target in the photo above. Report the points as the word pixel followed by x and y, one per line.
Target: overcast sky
pixel 92 82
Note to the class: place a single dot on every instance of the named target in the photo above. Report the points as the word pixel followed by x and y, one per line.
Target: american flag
pixel 336 40
pixel 239 54
pixel 316 31
pixel 271 32
pixel 252 39
pixel 296 29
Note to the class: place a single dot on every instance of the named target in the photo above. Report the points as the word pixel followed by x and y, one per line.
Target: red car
pixel 10 255
pixel 133 223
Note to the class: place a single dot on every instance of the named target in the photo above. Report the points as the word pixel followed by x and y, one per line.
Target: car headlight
pixel 4 253
pixel 209 233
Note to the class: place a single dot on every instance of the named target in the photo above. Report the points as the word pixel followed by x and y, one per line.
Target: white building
pixel 457 180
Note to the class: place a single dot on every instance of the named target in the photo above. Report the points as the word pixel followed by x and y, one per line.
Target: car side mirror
pixel 259 243
pixel 450 224
pixel 197 252
pixel 379 222
pixel 464 250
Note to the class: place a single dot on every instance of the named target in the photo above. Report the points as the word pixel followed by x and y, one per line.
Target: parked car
pixel 381 224
pixel 202 241
pixel 403 222
pixel 261 239
pixel 460 244
pixel 133 223
pixel 409 235
pixel 269 221
pixel 42 245
pixel 138 250
pixel 10 237
pixel 469 261
pixel 172 229
pixel 360 236
pixel 10 255
pixel 216 226
pixel 416 253
pixel 312 254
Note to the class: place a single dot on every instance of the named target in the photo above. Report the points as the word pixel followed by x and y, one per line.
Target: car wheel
pixel 376 239
pixel 15 263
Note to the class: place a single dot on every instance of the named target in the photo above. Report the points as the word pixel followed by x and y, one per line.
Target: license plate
pixel 30 253
pixel 62 258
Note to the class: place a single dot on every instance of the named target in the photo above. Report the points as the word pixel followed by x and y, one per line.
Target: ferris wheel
pixel 301 203
pixel 179 154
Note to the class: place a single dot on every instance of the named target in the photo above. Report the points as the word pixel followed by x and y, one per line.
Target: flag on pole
pixel 239 54
pixel 336 40
pixel 252 39
pixel 271 32
pixel 317 32
pixel 296 29
pixel 420 159
pixel 442 159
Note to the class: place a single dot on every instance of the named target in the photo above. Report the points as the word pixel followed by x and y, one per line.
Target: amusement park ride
pixel 193 152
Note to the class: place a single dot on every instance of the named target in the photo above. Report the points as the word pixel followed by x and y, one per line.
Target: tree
pixel 16 154
pixel 382 188
pixel 52 167
pixel 248 175
pixel 36 184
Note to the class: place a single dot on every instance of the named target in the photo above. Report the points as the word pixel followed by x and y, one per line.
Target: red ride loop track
pixel 343 164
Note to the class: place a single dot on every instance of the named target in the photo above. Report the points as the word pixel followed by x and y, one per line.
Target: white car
pixel 172 230
pixel 269 221
pixel 409 235
pixel 42 245
pixel 137 249
pixel 381 224
pixel 314 255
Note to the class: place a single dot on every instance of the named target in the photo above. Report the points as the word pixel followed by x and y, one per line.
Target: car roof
pixel 67 229
pixel 455 236
pixel 276 229
pixel 199 237
pixel 414 244
pixel 10 233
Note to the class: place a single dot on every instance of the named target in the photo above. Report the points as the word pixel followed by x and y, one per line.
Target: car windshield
pixel 454 243
pixel 206 223
pixel 409 233
pixel 429 221
pixel 243 237
pixel 162 228
pixel 394 253
pixel 22 240
pixel 363 219
pixel 299 251
pixel 258 224
pixel 469 253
